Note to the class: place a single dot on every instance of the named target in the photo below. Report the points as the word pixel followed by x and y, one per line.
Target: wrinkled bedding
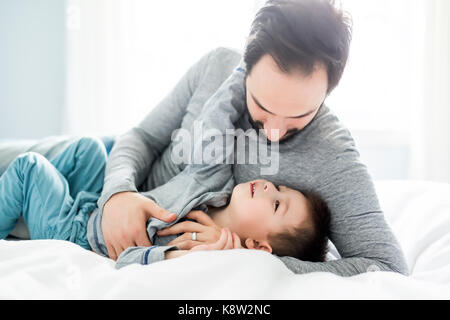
pixel 418 212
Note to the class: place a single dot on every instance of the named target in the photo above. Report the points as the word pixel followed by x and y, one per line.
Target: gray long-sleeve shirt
pixel 322 157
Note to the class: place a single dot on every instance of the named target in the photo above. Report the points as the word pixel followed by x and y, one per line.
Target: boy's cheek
pixel 253 215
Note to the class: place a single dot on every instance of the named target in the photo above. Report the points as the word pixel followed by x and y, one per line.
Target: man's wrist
pixel 106 195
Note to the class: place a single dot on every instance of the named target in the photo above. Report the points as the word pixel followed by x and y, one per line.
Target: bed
pixel 417 211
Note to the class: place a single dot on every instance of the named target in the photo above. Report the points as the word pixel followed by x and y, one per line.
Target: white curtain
pixel 394 93
pixel 431 138
pixel 124 56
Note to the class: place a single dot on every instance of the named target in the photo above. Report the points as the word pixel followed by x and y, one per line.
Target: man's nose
pixel 275 129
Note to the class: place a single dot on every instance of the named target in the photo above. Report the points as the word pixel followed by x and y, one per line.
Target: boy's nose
pixel 269 187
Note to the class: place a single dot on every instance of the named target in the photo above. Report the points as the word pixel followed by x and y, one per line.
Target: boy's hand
pixel 207 231
pixel 124 220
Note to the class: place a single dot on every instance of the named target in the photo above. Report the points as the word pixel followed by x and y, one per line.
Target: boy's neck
pixel 220 216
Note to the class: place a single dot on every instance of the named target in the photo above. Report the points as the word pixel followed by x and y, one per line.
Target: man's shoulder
pixel 214 68
pixel 226 52
pixel 330 135
pixel 223 59
pixel 218 62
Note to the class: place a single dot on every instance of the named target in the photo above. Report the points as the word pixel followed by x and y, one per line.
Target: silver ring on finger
pixel 194 236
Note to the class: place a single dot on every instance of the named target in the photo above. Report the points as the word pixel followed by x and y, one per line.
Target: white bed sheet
pixel 418 212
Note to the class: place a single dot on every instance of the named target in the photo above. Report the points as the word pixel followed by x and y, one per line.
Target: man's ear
pixel 258 245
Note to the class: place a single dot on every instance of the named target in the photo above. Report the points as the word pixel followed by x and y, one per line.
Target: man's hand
pixel 227 241
pixel 124 221
pixel 207 231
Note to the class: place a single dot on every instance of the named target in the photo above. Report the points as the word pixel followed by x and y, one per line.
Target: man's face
pixel 287 102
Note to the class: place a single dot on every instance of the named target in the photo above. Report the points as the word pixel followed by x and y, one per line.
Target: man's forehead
pixel 288 99
pixel 303 112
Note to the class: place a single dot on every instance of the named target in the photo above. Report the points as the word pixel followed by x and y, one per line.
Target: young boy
pixel 57 199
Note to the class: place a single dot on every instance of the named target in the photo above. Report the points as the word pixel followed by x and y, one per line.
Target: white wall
pixel 32 64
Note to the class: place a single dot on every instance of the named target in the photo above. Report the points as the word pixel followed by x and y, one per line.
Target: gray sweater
pixel 322 157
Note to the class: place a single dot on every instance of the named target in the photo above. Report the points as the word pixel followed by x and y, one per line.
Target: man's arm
pixel 125 212
pixel 134 152
pixel 358 227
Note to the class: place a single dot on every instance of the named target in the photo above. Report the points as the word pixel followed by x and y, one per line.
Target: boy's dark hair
pixel 298 34
pixel 309 241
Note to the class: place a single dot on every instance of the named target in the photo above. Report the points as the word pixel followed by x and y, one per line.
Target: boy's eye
pixel 277 204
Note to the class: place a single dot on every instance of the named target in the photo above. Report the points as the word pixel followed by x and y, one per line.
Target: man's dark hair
pixel 309 241
pixel 298 34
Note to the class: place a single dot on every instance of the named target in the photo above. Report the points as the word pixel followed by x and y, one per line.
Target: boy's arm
pixel 175 254
pixel 144 255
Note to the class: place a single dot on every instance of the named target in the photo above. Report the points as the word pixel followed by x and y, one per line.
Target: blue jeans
pixel 54 196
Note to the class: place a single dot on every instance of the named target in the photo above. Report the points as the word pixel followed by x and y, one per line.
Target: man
pixel 294 58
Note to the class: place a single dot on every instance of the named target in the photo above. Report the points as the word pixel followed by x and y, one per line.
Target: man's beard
pixel 258 125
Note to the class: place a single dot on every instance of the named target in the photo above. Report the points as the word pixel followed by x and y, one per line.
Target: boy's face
pixel 259 208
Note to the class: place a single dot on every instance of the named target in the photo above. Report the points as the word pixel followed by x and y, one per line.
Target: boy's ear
pixel 258 245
